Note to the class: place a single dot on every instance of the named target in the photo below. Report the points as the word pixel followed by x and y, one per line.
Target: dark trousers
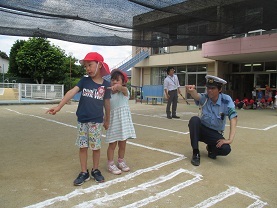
pixel 173 99
pixel 199 132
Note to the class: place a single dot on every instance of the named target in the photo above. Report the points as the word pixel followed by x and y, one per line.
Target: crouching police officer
pixel 209 126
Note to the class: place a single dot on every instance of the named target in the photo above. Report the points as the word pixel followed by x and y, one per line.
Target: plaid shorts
pixel 89 135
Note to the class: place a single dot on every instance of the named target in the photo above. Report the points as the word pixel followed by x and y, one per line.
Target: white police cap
pixel 214 81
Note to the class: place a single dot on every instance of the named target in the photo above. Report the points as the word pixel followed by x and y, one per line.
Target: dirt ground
pixel 39 161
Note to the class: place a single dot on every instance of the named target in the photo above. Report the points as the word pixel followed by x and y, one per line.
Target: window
pixel 181 73
pixel 235 68
pixel 262 80
pixel 258 67
pixel 187 75
pixel 157 76
pixel 201 81
pixel 246 67
pixel 192 68
pixel 270 66
pixel 273 80
pixel 202 68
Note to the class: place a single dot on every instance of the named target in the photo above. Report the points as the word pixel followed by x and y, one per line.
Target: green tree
pixel 40 60
pixel 4 55
pixel 13 67
pixel 77 71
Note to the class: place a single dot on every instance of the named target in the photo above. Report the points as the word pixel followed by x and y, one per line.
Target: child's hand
pixel 53 110
pixel 106 125
pixel 115 88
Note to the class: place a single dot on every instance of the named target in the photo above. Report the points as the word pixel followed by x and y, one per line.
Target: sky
pixel 113 55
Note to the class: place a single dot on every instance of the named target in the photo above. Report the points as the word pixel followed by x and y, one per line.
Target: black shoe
pixel 211 154
pixel 82 177
pixel 195 159
pixel 169 117
pixel 96 174
pixel 175 116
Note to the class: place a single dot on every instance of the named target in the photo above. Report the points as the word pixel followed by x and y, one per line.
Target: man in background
pixel 171 90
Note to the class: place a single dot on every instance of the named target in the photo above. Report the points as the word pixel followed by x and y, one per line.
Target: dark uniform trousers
pixel 199 132
pixel 173 98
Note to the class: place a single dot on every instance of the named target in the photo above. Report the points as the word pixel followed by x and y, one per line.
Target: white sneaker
pixel 113 169
pixel 123 166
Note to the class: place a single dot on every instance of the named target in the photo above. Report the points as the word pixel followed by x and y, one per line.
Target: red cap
pixel 123 73
pixel 94 56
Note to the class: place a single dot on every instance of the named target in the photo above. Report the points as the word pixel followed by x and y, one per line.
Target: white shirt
pixel 171 82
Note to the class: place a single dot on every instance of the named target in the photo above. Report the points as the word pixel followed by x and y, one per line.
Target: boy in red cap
pixel 95 96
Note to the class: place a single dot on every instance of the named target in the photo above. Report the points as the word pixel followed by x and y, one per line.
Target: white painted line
pixel 229 192
pixel 257 204
pixel 143 187
pixel 70 112
pixel 144 109
pixel 155 149
pixel 163 193
pixel 45 108
pixel 243 127
pixel 153 127
pixel 50 120
pixel 93 188
pixel 157 116
pixel 139 145
pixel 270 127
pixel 207 203
pixel 215 199
pixel 75 126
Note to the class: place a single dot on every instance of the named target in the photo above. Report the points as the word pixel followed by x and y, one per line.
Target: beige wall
pixel 174 49
pixel 141 73
pixel 136 77
pixel 146 76
pixel 211 69
pixel 182 58
pixel 218 68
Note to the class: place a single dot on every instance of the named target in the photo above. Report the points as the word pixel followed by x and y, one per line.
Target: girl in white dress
pixel 121 126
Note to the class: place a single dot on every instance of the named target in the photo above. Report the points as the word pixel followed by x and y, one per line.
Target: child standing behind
pixel 94 96
pixel 121 126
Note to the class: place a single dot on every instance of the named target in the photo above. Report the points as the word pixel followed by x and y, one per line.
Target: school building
pixel 215 47
pixel 245 61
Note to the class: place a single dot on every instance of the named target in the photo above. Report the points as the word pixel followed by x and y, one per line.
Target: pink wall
pixel 261 43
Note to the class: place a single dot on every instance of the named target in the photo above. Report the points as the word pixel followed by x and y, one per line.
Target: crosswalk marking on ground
pixel 144 186
pixel 229 192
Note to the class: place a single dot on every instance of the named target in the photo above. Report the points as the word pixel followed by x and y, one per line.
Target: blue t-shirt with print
pixel 91 104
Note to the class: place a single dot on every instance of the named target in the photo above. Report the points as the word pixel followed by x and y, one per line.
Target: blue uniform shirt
pixel 214 115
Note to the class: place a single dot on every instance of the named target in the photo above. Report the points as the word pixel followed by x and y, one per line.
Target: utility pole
pixel 3 75
pixel 70 54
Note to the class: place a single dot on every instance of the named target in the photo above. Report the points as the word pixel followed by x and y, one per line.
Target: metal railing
pixel 19 91
pixel 138 51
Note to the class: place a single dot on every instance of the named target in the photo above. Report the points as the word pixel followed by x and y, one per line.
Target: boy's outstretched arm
pixel 65 99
